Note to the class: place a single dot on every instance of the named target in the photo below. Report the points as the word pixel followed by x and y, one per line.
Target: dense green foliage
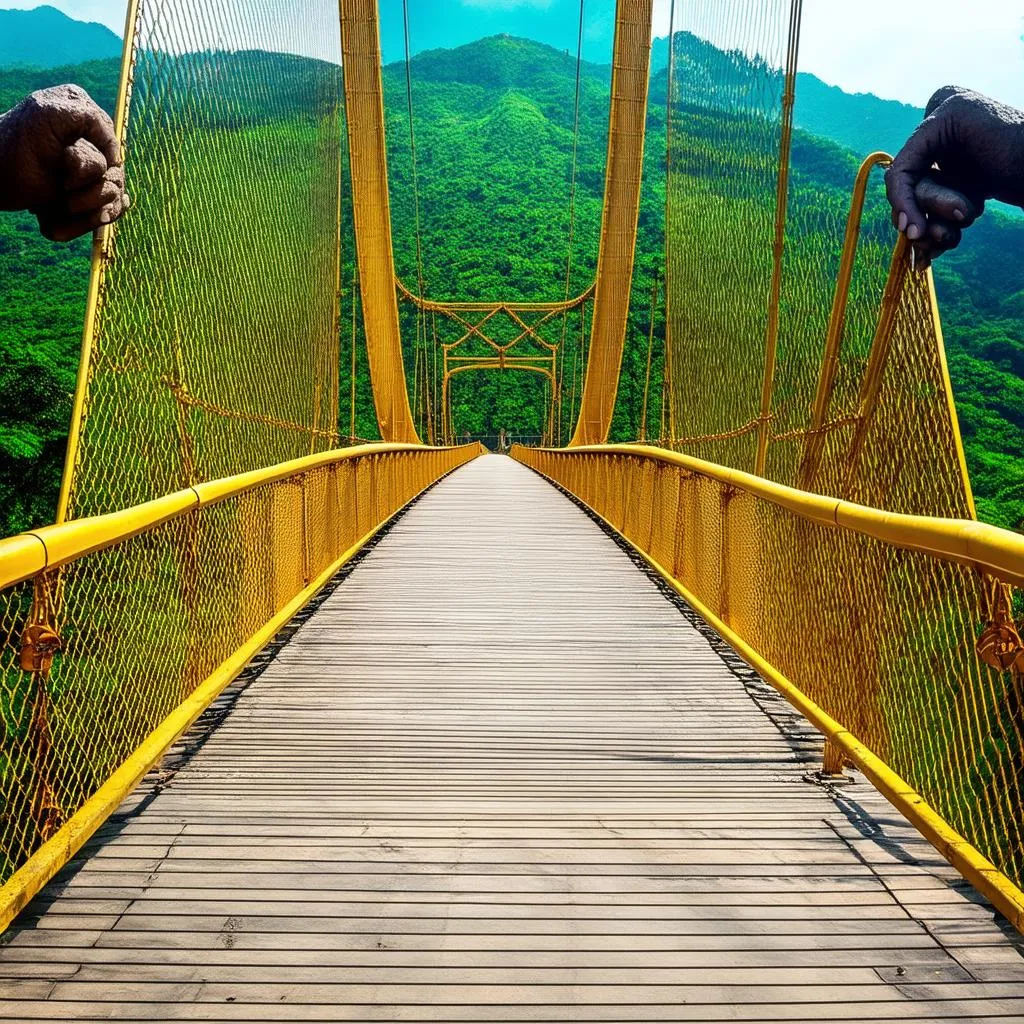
pixel 42 300
pixel 494 143
pixel 981 295
pixel 97 77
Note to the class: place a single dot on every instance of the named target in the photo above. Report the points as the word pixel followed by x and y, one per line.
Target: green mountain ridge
pixel 861 122
pixel 46 38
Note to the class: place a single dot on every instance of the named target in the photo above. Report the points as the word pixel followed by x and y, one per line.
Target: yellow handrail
pixel 48 547
pixel 997 551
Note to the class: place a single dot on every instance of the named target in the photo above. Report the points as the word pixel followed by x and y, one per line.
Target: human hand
pixel 60 159
pixel 969 148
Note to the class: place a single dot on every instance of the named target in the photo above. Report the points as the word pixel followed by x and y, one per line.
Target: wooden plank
pixel 497 776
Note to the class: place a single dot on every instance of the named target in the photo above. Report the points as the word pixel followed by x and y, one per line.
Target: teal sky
pixel 897 49
pixel 452 22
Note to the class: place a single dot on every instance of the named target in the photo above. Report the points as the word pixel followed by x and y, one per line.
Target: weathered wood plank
pixel 499 777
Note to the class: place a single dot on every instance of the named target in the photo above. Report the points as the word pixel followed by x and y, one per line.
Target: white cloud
pixel 904 49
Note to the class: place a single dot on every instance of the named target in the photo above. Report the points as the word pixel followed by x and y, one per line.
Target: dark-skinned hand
pixel 60 159
pixel 969 148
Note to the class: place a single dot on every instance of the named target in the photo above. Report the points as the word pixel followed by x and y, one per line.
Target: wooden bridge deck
pixel 498 776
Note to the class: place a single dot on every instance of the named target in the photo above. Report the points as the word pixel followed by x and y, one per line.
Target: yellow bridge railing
pixel 891 633
pixel 118 630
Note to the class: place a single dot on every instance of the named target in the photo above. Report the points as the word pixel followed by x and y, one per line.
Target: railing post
pixel 679 547
pixel 304 515
pixel 374 496
pixel 622 464
pixel 357 511
pixel 656 469
pixel 833 760
pixel 725 496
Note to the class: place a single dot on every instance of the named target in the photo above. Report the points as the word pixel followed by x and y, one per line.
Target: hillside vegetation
pixel 494 140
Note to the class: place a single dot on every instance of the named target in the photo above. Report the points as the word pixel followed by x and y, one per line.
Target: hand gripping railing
pixel 892 634
pixel 119 630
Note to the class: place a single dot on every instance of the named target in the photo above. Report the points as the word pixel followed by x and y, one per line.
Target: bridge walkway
pixel 499 776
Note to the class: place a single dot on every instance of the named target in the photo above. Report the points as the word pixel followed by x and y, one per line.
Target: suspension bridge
pixel 720 724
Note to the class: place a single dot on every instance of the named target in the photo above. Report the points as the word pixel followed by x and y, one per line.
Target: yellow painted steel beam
pixel 815 444
pixel 494 364
pixel 101 247
pixel 502 362
pixel 623 171
pixel 996 551
pixel 947 389
pixel 31 553
pixel 441 306
pixel 371 211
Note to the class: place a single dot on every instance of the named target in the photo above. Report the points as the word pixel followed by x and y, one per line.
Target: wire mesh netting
pixel 214 351
pixel 724 138
pixel 778 363
pixel 215 339
pixel 885 640
pixel 142 623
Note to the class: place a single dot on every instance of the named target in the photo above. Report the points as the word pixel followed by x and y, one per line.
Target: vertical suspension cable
pixel 428 383
pixel 419 344
pixel 412 150
pixel 578 365
pixel 781 198
pixel 650 351
pixel 438 412
pixel 416 369
pixel 575 154
pixel 666 379
pixel 352 380
pixel 572 208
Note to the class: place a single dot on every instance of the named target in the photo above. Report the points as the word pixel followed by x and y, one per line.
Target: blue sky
pixel 898 49
pixel 451 22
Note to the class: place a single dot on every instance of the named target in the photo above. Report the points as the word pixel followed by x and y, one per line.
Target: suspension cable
pixel 667 398
pixel 650 350
pixel 419 345
pixel 352 364
pixel 412 149
pixel 572 221
pixel 575 152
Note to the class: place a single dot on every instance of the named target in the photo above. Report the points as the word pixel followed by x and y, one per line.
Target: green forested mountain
pixel 494 138
pixel 859 121
pixel 97 77
pixel 45 38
